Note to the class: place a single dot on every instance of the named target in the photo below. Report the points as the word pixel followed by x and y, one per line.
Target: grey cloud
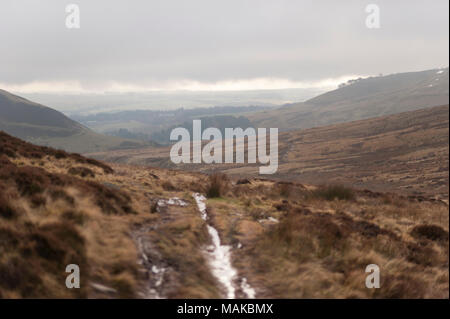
pixel 144 42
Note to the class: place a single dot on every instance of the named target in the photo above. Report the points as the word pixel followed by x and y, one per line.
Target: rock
pixel 160 205
pixel 269 220
pixel 103 288
pixel 273 220
pixel 177 202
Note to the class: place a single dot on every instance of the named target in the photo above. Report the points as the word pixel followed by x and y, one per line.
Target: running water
pixel 220 257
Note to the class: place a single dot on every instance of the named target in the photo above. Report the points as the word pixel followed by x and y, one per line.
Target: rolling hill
pixel 45 126
pixel 362 99
pixel 405 152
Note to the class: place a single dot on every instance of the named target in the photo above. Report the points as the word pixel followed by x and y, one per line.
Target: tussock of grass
pixel 81 171
pixel 34 257
pixel 48 219
pixel 217 185
pixel 332 192
pixel 432 232
pixel 285 189
pixel 168 186
pixel 13 147
pixel 6 211
pixel 33 182
pixel 334 245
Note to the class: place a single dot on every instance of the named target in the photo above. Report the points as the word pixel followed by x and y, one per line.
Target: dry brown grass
pixel 431 232
pixel 81 171
pixel 320 248
pixel 45 239
pixel 14 147
pixel 33 260
pixel 49 219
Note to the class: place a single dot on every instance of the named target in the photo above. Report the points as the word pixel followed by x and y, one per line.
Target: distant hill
pixel 360 99
pixel 220 122
pixel 157 124
pixel 45 126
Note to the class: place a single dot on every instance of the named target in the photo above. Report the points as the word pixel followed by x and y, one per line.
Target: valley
pixel 361 178
pixel 405 153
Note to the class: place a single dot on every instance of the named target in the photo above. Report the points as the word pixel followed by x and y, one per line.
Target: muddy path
pixel 219 260
pixel 160 278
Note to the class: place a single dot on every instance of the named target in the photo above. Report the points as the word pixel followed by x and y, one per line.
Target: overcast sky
pixel 211 44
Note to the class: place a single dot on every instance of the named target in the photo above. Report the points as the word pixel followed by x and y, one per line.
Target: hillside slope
pixel 362 99
pixel 406 152
pixel 136 232
pixel 45 126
